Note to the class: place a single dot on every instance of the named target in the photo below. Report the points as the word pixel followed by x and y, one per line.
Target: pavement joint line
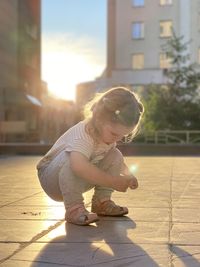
pixel 46 262
pixel 51 220
pixel 185 256
pixel 170 217
pixel 49 263
pixel 5 206
pixel 10 203
pixel 33 240
pixel 156 243
pixel 114 260
pixel 99 263
pixel 118 259
pixel 35 206
pixel 34 220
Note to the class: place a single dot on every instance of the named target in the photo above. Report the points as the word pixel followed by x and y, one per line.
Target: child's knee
pixel 112 161
pixel 116 156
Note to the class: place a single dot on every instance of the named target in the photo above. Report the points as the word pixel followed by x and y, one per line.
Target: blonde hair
pixel 117 105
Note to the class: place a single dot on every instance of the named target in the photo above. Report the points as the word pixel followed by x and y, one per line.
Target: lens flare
pixel 133 168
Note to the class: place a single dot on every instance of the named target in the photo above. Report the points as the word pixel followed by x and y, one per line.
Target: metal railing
pixel 172 137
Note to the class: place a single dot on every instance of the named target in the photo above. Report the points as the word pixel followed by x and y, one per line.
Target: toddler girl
pixel 86 157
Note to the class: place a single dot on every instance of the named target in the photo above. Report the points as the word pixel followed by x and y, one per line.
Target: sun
pixel 55 73
pixel 64 67
pixel 64 71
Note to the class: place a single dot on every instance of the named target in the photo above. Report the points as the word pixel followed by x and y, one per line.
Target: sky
pixel 73 43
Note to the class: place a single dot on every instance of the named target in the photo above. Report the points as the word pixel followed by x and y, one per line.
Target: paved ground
pixel 162 229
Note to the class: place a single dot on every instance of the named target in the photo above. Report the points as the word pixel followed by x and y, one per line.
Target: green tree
pixel 154 100
pixel 183 83
pixel 177 105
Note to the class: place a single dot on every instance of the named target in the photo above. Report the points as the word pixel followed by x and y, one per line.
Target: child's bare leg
pixel 72 188
pixel 101 202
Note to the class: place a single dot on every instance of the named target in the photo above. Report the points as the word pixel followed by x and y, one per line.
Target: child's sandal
pixel 108 208
pixel 80 216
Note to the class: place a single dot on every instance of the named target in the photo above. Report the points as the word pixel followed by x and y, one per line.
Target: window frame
pixel 140 30
pixel 134 4
pixel 163 35
pixel 165 3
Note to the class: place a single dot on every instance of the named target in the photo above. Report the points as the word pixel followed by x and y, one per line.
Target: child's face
pixel 113 132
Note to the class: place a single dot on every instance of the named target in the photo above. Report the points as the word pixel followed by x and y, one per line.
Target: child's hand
pixel 133 183
pixel 122 183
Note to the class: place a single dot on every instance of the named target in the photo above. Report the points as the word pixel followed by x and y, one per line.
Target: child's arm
pixel 125 169
pixel 84 169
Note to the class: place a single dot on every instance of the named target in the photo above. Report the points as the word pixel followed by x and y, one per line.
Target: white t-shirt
pixel 77 139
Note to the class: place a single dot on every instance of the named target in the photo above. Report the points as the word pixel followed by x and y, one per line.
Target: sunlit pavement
pixel 162 228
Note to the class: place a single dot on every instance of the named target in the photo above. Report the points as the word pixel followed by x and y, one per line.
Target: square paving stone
pixel 24 230
pixel 185 233
pixel 186 215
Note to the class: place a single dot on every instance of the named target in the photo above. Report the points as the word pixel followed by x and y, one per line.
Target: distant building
pixel 57 116
pixel 136 33
pixel 20 75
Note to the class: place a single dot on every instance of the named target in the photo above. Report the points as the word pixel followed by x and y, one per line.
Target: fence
pixel 171 137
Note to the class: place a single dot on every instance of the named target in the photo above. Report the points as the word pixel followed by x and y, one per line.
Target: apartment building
pixel 136 33
pixel 20 74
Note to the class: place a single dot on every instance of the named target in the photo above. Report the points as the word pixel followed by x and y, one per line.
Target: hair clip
pixel 117 112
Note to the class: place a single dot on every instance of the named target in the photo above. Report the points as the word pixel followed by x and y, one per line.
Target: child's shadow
pixel 104 244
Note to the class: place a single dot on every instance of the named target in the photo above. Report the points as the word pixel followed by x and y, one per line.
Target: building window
pixel 138 61
pixel 166 28
pixel 165 61
pixel 138 30
pixel 165 2
pixel 137 3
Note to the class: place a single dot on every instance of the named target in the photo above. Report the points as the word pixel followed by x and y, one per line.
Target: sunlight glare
pixel 65 65
pixel 57 232
pixel 133 168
